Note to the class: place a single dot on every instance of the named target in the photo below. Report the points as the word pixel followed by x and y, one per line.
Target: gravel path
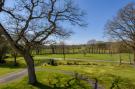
pixel 12 76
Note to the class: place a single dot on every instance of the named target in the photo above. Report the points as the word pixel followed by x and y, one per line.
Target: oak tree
pixel 123 26
pixel 25 23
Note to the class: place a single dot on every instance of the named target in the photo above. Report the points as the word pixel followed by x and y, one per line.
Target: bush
pixel 52 62
pixel 70 63
pixel 45 64
pixel 2 61
pixel 76 63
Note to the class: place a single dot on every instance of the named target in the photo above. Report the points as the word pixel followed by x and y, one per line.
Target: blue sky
pixel 98 12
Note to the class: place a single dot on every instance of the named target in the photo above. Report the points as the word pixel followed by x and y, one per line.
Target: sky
pixel 98 12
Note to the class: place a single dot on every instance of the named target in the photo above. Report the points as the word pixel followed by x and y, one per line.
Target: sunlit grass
pixel 109 57
pixel 106 74
pixel 46 80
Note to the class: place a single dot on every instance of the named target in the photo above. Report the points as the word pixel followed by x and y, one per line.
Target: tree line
pixel 97 48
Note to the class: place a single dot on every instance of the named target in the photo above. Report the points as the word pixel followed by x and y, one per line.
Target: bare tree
pixel 29 22
pixel 62 46
pixel 53 46
pixel 14 55
pixel 123 26
pixel 92 44
pixel 3 48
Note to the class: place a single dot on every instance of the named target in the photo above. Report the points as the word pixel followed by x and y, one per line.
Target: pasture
pixel 109 73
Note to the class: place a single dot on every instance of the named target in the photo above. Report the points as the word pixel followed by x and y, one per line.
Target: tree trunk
pixel 2 55
pixel 134 56
pixel 130 61
pixel 31 70
pixel 26 55
pixel 15 62
pixel 120 58
pixel 63 51
pixel 37 51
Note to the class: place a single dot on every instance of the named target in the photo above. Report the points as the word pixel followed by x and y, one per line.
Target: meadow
pixel 108 72
pixel 105 57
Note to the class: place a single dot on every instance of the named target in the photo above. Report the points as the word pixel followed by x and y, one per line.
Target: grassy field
pixel 108 57
pixel 5 70
pixel 48 80
pixel 42 58
pixel 9 67
pixel 108 74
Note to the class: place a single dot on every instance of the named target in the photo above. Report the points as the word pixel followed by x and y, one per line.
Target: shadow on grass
pixel 42 86
pixel 11 65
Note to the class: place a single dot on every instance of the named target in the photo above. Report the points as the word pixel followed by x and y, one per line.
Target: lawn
pixel 9 68
pixel 43 58
pixel 109 57
pixel 107 74
pixel 48 80
pixel 4 71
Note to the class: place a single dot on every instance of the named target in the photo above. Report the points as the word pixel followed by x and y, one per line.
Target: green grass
pixel 47 80
pixel 109 57
pixel 9 68
pixel 106 74
pixel 42 58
